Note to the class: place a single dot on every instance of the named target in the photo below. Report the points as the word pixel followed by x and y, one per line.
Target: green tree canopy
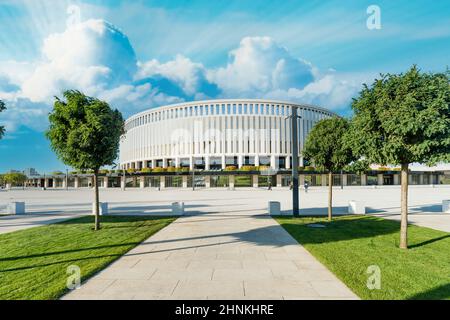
pixel 85 133
pixel 325 147
pixel 14 178
pixel 2 128
pixel 401 119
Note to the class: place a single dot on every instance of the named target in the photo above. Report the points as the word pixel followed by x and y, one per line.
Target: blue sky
pixel 141 54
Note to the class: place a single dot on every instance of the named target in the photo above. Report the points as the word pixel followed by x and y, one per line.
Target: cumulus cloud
pixel 98 59
pixel 259 66
pixel 329 91
pixel 89 56
pixel 188 75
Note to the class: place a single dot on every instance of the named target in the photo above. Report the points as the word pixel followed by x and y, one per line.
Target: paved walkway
pixel 216 256
pixel 44 207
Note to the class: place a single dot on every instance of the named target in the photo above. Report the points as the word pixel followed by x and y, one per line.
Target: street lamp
pixel 294 132
pixel 67 179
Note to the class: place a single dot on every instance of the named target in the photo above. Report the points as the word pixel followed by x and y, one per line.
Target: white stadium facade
pixel 214 134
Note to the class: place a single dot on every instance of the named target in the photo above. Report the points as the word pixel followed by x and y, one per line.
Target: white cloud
pixel 188 75
pixel 98 59
pixel 259 66
pixel 329 91
pixel 90 56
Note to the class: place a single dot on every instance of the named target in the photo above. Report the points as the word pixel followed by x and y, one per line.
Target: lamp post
pixel 124 179
pixel 294 132
pixel 67 179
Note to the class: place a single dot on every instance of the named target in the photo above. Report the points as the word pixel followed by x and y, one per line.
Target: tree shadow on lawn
pixel 338 229
pixel 438 293
pixel 345 228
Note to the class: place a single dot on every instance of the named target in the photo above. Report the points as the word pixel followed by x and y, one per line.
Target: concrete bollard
pixel 102 208
pixel 178 208
pixel 16 208
pixel 356 207
pixel 274 208
pixel 446 206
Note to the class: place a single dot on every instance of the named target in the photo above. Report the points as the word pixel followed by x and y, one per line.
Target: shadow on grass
pixel 418 245
pixel 339 229
pixel 438 293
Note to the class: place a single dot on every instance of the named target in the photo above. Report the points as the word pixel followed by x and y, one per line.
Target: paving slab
pixel 204 256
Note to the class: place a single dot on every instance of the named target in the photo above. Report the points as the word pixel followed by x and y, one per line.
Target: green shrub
pixel 131 170
pixel 171 169
pixel 146 170
pixel 159 169
pixel 230 168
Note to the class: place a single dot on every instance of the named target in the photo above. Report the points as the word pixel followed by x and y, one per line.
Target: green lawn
pixel 33 262
pixel 349 245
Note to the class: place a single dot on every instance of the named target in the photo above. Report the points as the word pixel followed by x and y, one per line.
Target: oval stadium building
pixel 214 134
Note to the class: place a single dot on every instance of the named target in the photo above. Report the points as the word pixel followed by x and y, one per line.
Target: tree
pixel 15 178
pixel 402 119
pixel 2 128
pixel 85 132
pixel 358 166
pixel 325 147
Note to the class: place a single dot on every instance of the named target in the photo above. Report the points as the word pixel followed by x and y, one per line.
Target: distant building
pixel 31 172
pixel 214 134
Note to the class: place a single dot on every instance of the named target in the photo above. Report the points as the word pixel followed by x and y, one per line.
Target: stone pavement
pixel 49 206
pixel 216 256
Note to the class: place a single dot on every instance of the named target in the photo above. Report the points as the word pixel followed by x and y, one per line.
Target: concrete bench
pixel 446 206
pixel 274 208
pixel 16 208
pixel 178 208
pixel 356 207
pixel 102 208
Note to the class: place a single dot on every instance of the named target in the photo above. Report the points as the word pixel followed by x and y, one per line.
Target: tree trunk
pixel 330 195
pixel 404 208
pixel 96 201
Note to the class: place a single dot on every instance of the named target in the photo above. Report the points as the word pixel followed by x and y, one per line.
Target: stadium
pixel 215 134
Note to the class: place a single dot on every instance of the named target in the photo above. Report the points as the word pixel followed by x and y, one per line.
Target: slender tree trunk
pixel 96 201
pixel 330 195
pixel 404 208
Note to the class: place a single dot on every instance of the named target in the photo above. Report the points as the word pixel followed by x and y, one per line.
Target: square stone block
pixel 356 207
pixel 16 208
pixel 178 208
pixel 274 208
pixel 102 208
pixel 446 206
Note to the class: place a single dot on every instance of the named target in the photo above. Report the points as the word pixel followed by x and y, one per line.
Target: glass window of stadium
pixel 249 161
pixel 264 161
pixel 215 163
